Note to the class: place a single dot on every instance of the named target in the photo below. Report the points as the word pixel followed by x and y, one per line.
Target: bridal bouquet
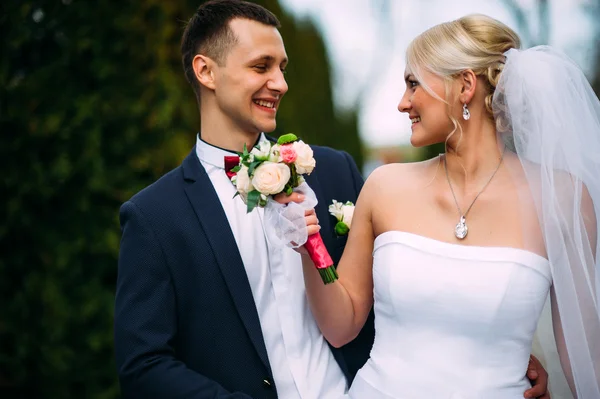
pixel 269 169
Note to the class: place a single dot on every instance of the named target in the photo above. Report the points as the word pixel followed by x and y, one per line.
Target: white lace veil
pixel 549 116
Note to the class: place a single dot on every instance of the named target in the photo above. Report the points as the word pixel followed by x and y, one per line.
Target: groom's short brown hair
pixel 208 31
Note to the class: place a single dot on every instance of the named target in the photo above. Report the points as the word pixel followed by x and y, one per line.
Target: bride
pixel 459 254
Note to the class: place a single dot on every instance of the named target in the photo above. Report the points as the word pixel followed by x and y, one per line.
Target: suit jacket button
pixel 267 383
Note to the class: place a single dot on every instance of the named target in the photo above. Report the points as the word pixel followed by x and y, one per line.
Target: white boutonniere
pixel 343 212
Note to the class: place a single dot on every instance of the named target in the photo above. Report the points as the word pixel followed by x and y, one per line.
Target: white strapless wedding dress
pixel 451 321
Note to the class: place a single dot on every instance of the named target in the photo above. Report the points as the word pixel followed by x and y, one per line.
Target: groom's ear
pixel 468 84
pixel 204 70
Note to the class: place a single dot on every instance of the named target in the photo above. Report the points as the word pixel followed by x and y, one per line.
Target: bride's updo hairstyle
pixel 475 42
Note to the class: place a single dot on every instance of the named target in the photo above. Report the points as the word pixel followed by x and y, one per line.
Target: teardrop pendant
pixel 461 229
pixel 466 112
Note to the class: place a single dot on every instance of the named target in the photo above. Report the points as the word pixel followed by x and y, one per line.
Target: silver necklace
pixel 461 230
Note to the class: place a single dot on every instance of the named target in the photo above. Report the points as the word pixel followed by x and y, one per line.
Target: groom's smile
pixel 268 104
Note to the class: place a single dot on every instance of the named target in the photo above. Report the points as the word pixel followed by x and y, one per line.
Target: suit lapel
pixel 210 214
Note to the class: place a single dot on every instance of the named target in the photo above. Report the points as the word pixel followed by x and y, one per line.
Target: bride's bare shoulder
pixel 402 174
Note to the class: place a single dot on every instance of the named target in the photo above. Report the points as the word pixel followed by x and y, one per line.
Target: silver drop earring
pixel 466 113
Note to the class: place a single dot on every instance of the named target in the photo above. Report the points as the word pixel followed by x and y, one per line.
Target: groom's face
pixel 250 84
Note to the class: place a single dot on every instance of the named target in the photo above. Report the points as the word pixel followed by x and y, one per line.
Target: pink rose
pixel 288 153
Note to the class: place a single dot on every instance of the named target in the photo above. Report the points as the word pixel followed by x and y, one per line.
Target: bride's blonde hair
pixel 475 42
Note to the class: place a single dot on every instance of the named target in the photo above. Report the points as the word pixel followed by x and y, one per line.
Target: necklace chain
pixel 464 216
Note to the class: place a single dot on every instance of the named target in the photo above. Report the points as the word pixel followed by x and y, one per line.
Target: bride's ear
pixel 468 84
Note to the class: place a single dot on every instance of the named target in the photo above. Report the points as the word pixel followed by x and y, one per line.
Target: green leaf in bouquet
pixel 236 169
pixel 253 166
pixel 287 138
pixel 262 202
pixel 245 153
pixel 293 176
pixel 289 190
pixel 252 200
pixel 261 158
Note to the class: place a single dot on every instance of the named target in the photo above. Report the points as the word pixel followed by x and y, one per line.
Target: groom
pixel 205 308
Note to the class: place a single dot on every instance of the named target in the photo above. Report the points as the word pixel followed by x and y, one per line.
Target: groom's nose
pixel 277 82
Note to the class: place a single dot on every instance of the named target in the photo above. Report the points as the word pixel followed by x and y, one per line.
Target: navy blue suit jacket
pixel 186 325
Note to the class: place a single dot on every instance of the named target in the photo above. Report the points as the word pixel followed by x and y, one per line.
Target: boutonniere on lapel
pixel 343 212
pixel 269 169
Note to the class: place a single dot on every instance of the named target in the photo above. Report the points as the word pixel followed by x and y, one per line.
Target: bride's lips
pixel 414 121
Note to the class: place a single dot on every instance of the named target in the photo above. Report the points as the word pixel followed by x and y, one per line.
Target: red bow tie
pixel 231 161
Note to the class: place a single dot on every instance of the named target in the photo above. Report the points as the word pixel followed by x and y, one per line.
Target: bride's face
pixel 428 114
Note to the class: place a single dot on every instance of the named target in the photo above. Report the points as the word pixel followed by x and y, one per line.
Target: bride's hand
pixel 285 199
pixel 312 227
pixel 312 222
pixel 310 216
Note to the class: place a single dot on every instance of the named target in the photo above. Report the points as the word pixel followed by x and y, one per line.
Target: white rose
pixel 305 163
pixel 242 180
pixel 336 210
pixel 270 177
pixel 262 151
pixel 348 213
pixel 274 154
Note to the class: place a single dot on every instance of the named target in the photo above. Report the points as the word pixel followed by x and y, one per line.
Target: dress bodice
pixel 451 321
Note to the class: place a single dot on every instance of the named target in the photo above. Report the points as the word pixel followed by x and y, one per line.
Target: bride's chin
pixel 420 138
pixel 420 141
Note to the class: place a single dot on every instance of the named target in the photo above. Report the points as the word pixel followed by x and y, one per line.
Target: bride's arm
pixel 341 308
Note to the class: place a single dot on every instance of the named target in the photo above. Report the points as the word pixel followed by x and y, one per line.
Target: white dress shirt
pixel 302 364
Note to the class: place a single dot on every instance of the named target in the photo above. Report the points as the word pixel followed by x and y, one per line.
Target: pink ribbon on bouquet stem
pixel 318 254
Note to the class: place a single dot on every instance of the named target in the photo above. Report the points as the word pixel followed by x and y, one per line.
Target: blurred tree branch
pixel 592 9
pixel 523 21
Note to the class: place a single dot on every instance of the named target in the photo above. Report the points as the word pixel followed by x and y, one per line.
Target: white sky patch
pixel 368 55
